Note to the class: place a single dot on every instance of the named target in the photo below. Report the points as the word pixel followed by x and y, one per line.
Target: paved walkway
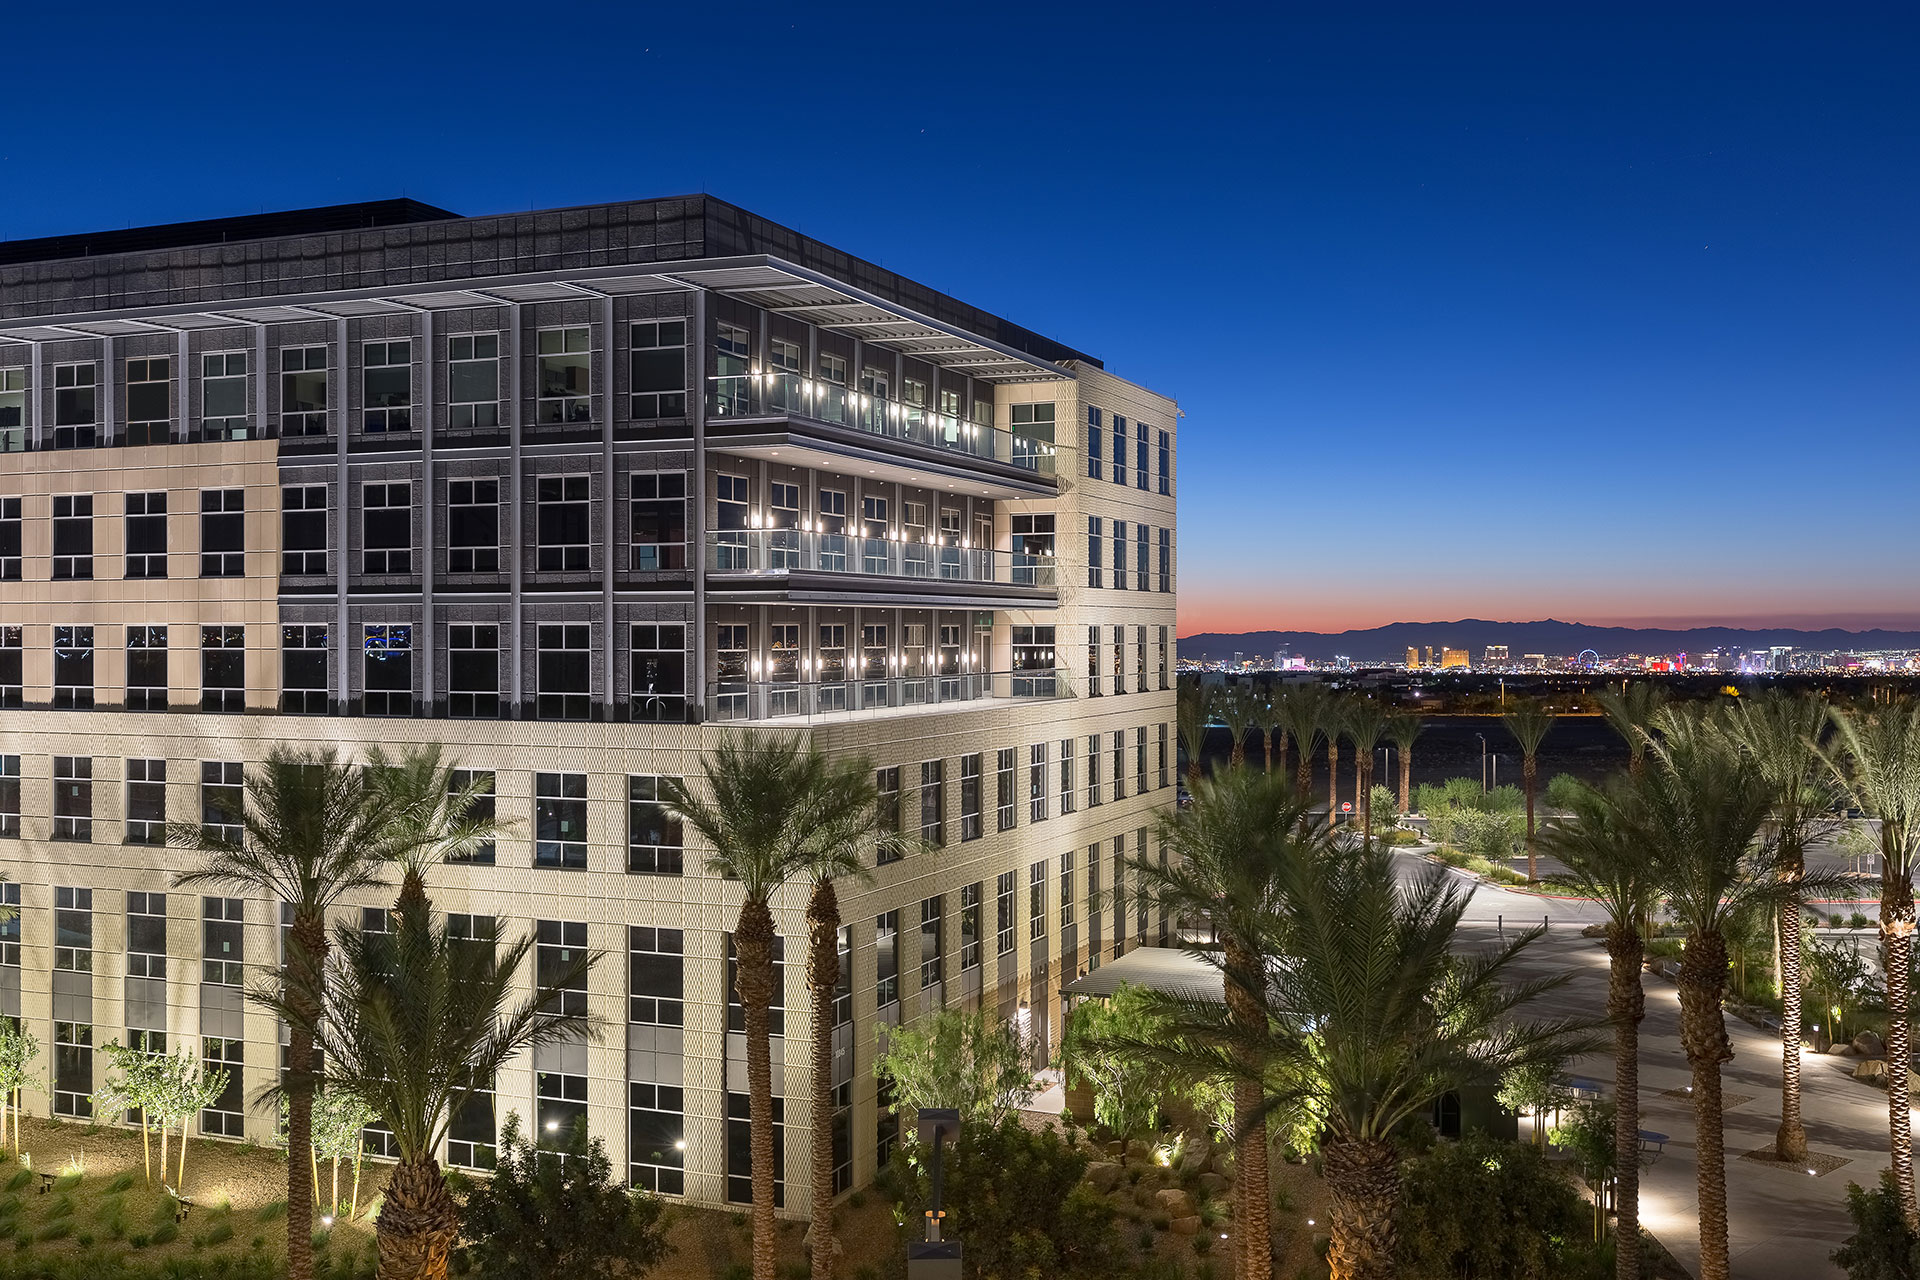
pixel 1782 1224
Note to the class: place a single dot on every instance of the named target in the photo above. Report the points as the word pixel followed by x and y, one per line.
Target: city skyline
pixel 1561 342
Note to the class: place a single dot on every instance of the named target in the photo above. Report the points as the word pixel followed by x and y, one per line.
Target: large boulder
pixel 1222 1162
pixel 1187 1226
pixel 1870 1045
pixel 1195 1152
pixel 1213 1183
pixel 1871 1069
pixel 806 1243
pixel 1103 1176
pixel 1176 1202
pixel 1139 1149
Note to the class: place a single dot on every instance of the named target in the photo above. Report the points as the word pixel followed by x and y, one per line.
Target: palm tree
pixel 1303 711
pixel 1228 846
pixel 1701 806
pixel 1192 713
pixel 1528 722
pixel 1782 734
pixel 1607 863
pixel 416 1021
pixel 762 815
pixel 1275 724
pixel 1366 724
pixel 1375 1014
pixel 438 816
pixel 314 831
pixel 1631 712
pixel 1878 760
pixel 1242 710
pixel 1403 727
pixel 1334 721
pixel 843 805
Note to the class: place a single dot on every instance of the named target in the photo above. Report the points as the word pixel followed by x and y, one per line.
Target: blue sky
pixel 1473 310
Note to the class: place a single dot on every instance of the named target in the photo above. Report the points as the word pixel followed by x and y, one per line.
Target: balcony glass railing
pixel 760 395
pixel 748 698
pixel 807 551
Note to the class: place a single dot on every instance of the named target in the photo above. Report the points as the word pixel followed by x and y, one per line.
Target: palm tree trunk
pixel 1363 1179
pixel 753 976
pixel 1896 928
pixel 1239 732
pixel 1626 1005
pixel 1406 780
pixel 306 959
pixel 1252 1230
pixel 418 1222
pixel 1791 1141
pixel 1363 795
pixel 1526 778
pixel 1303 779
pixel 1703 1034
pixel 1333 781
pixel 823 980
pixel 1276 747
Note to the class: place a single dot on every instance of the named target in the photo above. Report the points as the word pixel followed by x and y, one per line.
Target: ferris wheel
pixel 1587 659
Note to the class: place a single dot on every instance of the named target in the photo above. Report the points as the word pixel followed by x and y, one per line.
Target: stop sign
pixel 1346 806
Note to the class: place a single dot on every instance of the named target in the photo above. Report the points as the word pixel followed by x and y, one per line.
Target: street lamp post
pixel 1483 762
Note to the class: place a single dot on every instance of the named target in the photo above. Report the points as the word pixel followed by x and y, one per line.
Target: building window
pixel 73 535
pixel 223 395
pixel 1165 666
pixel 559 948
pixel 1037 782
pixel 73 667
pixel 970 825
pixel 473 526
pixel 1004 764
pixel 1119 450
pixel 560 821
pixel 1141 563
pixel 1093 905
pixel 470 1131
pixel 223 669
pixel 146 934
pixel 222 800
pixel 658 369
pixel 72 798
pixel 386 528
pixel 1166 462
pixel 656 976
pixel 146 534
pixel 1004 939
pixel 386 385
pixel 564 376
pixel 656 1138
pixel 1119 555
pixel 933 803
pixel 1139 659
pixel 303 391
pixel 969 927
pixel 223 533
pixel 473 380
pixel 303 530
pixel 1037 901
pixel 658 511
pixel 1094 435
pixel 1119 659
pixel 10 813
pixel 933 955
pixel 387 652
pixel 73 929
pixel 1095 560
pixel 72 1069
pixel 1094 797
pixel 1163 754
pixel 564 659
pixel 10 532
pixel 659 674
pixel 1140 759
pixel 74 406
pixel 221 923
pixel 1166 560
pixel 13 410
pixel 777 1011
pixel 886 785
pixel 564 525
pixel 1119 764
pixel 149 401
pixel 886 947
pixel 226 1117
pixel 1093 662
pixel 473 670
pixel 1066 892
pixel 303 670
pixel 477 785
pixel 655 846
pixel 147 802
pixel 740 1150
pixel 1069 791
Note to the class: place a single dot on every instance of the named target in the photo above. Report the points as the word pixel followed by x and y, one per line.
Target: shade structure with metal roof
pixel 1167 970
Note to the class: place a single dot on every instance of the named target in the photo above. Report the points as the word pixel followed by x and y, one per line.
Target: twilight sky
pixel 1490 311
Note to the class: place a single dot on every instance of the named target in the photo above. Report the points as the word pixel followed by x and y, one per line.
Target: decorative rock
pixel 1870 1044
pixel 1117 1149
pixel 1871 1069
pixel 1187 1226
pixel 1213 1183
pixel 1176 1202
pixel 1195 1152
pixel 1594 931
pixel 806 1243
pixel 1222 1162
pixel 1103 1176
pixel 1138 1149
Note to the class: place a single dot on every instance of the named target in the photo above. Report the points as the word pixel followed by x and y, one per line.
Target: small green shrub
pixel 1833 921
pixel 271 1211
pixel 10 1205
pixel 20 1181
pixel 1858 920
pixel 1145 1240
pixel 122 1183
pixel 1203 1243
pixel 55 1231
pixel 322 1238
pixel 139 1239
pixel 858 1200
pixel 218 1233
pixel 116 1227
pixel 67 1181
pixel 166 1233
pixel 258 1242
pixel 84 1240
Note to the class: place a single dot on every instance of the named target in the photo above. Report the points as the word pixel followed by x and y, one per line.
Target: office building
pixel 1452 659
pixel 573 493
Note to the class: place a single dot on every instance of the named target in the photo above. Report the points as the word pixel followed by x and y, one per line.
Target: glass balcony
pixel 766 395
pixel 763 551
pixel 802 701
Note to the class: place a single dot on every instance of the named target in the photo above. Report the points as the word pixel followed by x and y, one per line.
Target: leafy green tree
pixel 1562 790
pixel 1529 723
pixel 1017 1199
pixel 1876 755
pixel 1381 809
pixel 314 831
pixel 1587 1132
pixel 1128 1088
pixel 18 1048
pixel 559 1215
pixel 134 1081
pixel 1534 1088
pixel 971 1062
pixel 1490 1210
pixel 1882 1246
pixel 182 1090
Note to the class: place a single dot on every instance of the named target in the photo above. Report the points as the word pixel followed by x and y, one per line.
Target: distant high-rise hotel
pixel 573 493
pixel 1496 655
pixel 1454 658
